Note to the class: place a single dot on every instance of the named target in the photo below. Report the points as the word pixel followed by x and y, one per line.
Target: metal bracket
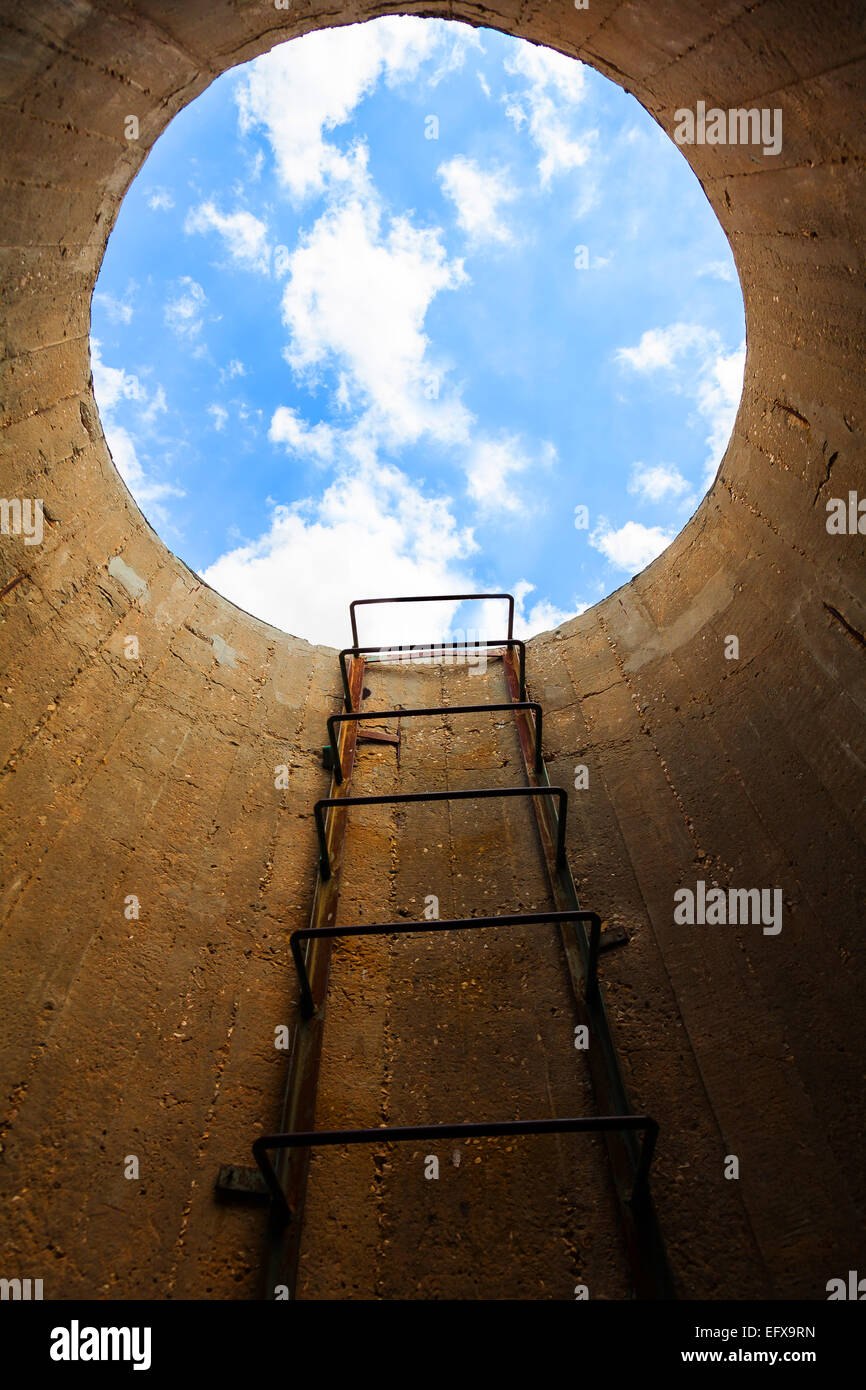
pixel 378 736
pixel 329 757
pixel 612 937
pixel 236 1181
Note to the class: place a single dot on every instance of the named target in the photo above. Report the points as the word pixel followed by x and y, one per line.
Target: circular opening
pixel 410 307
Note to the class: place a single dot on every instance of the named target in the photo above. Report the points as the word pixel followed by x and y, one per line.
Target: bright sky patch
pixel 385 306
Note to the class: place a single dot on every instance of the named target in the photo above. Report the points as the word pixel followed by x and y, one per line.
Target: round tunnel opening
pixel 431 299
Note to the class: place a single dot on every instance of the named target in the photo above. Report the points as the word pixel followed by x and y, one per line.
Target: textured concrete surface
pixel 155 777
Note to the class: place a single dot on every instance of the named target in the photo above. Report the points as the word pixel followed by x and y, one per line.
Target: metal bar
pixel 517 919
pixel 378 736
pixel 583 1124
pixel 650 1270
pixel 594 948
pixel 235 1180
pixel 428 598
pixel 509 643
pixel 335 719
pixel 405 797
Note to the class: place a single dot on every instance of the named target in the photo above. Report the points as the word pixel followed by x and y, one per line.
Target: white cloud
pixel 312 85
pixel 491 464
pixel 117 310
pixel 720 270
pixel 147 491
pixel 379 524
pixel 300 438
pixel 695 361
pixel 220 415
pixel 157 405
pixel 633 546
pixel 359 284
pixel 548 70
pixel 113 387
pixel 356 301
pixel 719 391
pixel 245 236
pixel 476 195
pixel 653 483
pixel 661 347
pixel 234 368
pixel 255 165
pixel 184 314
pixel 453 42
pixel 160 200
pixel 555 87
pixel 543 615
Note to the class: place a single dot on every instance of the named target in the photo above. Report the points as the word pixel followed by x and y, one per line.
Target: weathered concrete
pixel 156 777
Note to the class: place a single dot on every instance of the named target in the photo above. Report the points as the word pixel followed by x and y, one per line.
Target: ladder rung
pixel 404 798
pixel 336 766
pixel 389 1134
pixel 406 651
pixel 428 598
pixel 517 919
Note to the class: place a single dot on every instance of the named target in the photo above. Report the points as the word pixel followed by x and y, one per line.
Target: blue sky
pixel 384 307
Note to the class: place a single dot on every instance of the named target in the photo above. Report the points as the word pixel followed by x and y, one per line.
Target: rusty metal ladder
pixel 630 1138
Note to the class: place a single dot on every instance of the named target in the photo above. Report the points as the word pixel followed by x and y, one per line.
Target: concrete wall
pixel 155 778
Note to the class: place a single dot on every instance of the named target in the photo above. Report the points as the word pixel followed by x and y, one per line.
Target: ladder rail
pixel 644 1241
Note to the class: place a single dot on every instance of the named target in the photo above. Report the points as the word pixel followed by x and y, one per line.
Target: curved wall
pixel 154 777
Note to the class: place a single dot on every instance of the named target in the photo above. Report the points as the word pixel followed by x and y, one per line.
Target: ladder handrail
pixel 410 647
pixel 593 1124
pixel 403 798
pixel 428 598
pixel 518 919
pixel 337 766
